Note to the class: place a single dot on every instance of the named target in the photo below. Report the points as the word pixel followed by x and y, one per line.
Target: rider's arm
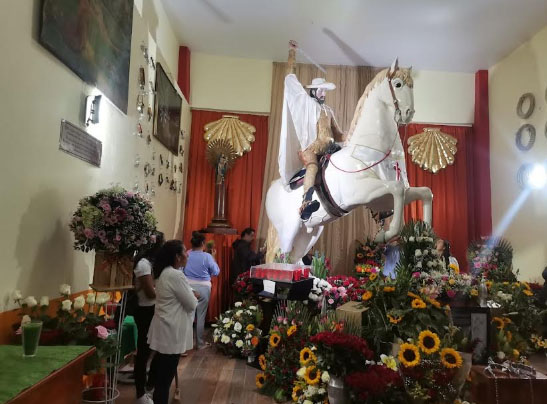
pixel 337 133
pixel 291 64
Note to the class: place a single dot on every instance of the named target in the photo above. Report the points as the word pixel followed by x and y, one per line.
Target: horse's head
pixel 397 90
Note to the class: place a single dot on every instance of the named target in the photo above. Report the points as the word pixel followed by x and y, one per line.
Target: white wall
pixel 524 70
pixel 237 84
pixel 230 84
pixel 41 185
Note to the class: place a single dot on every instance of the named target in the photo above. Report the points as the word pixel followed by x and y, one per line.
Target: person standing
pixel 244 256
pixel 199 269
pixel 170 332
pixel 144 311
pixel 443 249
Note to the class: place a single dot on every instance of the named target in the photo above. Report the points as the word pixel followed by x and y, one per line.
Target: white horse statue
pixel 369 170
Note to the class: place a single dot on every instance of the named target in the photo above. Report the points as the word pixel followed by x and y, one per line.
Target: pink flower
pixel 331 301
pixel 101 234
pixel 451 293
pixel 415 274
pixel 102 332
pixel 153 238
pixel 279 319
pixel 118 237
pixel 89 233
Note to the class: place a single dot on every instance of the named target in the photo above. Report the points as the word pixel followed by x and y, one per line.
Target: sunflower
pixel 254 341
pixel 516 353
pixel 291 330
pixel 389 289
pixel 413 295
pixel 516 284
pixel 373 276
pixel 434 302
pixel 528 292
pixel 262 362
pixel 260 379
pixel 409 355
pixel 506 320
pixel 250 327
pixel 526 285
pixel 306 356
pixel 506 283
pixel 394 319
pixel 488 284
pixel 509 336
pixel 296 390
pixel 455 268
pixel 366 296
pixel 450 358
pixel 418 304
pixel 360 255
pixel 451 281
pixel 474 292
pixel 312 376
pixel 275 339
pixel 429 342
pixel 500 323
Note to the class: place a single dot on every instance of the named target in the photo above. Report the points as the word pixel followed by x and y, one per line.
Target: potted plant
pixel 115 224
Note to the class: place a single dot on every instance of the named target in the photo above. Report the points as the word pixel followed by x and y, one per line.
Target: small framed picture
pixel 475 323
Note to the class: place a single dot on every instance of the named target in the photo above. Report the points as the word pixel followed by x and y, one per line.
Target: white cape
pixel 298 126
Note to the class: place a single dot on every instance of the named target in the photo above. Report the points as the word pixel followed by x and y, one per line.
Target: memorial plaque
pixel 475 323
pixel 79 143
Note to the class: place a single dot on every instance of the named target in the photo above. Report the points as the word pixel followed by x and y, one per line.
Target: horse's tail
pixel 272 243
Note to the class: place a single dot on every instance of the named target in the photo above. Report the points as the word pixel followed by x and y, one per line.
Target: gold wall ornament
pixel 432 150
pixel 238 133
pixel 218 148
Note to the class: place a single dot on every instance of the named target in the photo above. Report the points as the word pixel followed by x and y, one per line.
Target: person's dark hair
pixel 150 253
pixel 167 256
pixel 198 239
pixel 248 230
pixel 446 252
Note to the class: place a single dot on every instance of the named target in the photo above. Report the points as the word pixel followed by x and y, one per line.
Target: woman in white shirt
pixel 443 249
pixel 170 332
pixel 144 285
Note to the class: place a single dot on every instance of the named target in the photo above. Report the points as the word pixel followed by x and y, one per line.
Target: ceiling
pixel 450 35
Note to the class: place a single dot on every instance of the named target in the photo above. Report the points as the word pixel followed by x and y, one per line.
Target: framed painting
pixel 93 38
pixel 475 323
pixel 167 111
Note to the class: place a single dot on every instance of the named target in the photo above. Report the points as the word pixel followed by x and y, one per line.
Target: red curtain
pixel 243 194
pixel 449 187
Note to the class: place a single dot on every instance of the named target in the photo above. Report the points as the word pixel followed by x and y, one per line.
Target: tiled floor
pixel 207 377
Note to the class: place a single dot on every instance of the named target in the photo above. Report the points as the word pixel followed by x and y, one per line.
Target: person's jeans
pixel 201 310
pixel 143 317
pixel 166 370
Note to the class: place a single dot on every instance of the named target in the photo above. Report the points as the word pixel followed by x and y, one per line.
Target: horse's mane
pixel 403 74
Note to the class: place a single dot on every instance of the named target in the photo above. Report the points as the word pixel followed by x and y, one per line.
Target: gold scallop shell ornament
pixel 238 133
pixel 432 149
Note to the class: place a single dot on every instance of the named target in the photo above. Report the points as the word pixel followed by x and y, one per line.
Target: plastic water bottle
pixel 483 293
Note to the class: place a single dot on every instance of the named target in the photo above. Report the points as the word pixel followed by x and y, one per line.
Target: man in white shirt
pixel 308 129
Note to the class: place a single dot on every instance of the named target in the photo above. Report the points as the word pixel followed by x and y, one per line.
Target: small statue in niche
pixel 222 167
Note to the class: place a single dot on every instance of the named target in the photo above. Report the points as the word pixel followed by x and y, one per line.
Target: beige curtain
pixel 338 238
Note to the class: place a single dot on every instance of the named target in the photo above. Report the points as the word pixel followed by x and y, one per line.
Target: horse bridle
pixel 390 76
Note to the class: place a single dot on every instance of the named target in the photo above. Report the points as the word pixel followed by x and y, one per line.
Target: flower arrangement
pixel 445 284
pixel 289 333
pixel 368 256
pixel 320 265
pixel 430 369
pixel 282 258
pixel 113 220
pixel 376 383
pixel 242 286
pixel 493 258
pixel 319 288
pixel 418 251
pixel 236 331
pixel 311 382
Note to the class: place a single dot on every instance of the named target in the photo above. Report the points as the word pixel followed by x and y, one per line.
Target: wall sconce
pixel 92 103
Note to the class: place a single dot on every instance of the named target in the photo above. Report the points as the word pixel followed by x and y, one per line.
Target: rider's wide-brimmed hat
pixel 321 83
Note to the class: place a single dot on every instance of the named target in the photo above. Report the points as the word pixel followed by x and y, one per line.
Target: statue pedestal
pixel 220 224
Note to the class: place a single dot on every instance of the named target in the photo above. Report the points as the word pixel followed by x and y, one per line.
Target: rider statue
pixel 308 130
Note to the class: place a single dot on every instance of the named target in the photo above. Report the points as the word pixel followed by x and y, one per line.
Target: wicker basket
pixel 112 272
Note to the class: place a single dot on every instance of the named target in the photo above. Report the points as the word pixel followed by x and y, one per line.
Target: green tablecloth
pixel 18 373
pixel 129 336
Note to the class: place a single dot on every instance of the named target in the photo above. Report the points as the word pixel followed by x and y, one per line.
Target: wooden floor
pixel 207 377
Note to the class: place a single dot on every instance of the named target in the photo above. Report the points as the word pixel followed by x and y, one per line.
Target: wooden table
pixel 62 386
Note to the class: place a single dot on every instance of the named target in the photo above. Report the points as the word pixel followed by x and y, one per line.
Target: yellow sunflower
pixel 429 342
pixel 260 379
pixel 291 330
pixel 312 376
pixel 275 339
pixel 526 285
pixel 509 336
pixel 528 292
pixel 409 355
pixel 306 356
pixel 394 319
pixel 516 284
pixel 366 296
pixel 488 284
pixel 474 292
pixel 516 353
pixel 413 295
pixel 506 320
pixel 450 358
pixel 389 289
pixel 500 324
pixel 455 268
pixel 360 255
pixel 250 327
pixel 434 302
pixel 451 281
pixel 262 362
pixel 373 276
pixel 418 304
pixel 296 390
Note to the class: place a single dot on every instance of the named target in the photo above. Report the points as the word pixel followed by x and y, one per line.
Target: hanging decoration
pixel 531 100
pixel 531 130
pixel 432 149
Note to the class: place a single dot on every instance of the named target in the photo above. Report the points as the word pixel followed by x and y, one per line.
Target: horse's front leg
pixel 426 196
pixel 397 190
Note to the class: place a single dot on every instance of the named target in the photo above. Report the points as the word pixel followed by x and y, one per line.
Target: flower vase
pixel 251 358
pixel 112 271
pixel 31 337
pixel 336 390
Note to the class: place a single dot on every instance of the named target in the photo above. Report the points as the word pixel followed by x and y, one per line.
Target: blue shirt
pixel 201 266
